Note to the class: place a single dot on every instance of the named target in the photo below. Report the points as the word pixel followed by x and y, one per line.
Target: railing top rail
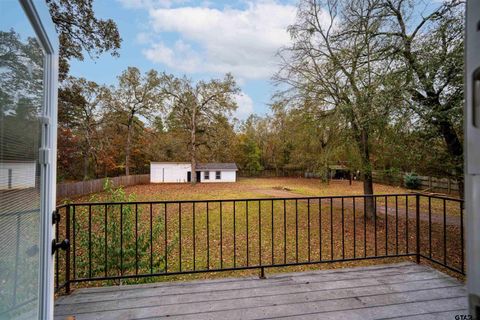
pixel 259 199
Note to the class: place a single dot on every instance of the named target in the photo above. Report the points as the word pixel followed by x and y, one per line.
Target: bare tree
pixel 194 107
pixel 429 46
pixel 338 63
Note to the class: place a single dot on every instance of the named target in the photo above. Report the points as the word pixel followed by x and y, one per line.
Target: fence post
pixel 417 237
pixel 67 251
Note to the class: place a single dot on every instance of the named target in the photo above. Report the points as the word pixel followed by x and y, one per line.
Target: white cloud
pixel 245 106
pixel 150 4
pixel 243 42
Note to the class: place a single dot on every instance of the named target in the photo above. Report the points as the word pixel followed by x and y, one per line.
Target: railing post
pixel 262 273
pixel 417 237
pixel 67 251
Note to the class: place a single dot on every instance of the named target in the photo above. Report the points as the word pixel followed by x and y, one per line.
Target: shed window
pixel 206 175
pixel 218 175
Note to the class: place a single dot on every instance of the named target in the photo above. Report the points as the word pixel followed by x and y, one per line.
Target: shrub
pixel 412 181
pixel 127 247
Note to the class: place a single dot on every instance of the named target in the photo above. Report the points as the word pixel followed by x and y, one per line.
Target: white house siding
pixel 17 175
pixel 169 172
pixel 226 176
pixel 161 172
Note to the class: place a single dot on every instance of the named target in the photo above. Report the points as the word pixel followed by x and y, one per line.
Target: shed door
pixel 27 88
pixel 472 146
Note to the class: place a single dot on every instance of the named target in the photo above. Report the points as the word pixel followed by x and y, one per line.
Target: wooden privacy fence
pixel 70 189
pixel 443 185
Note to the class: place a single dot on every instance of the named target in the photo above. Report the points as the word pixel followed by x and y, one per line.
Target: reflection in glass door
pixel 21 101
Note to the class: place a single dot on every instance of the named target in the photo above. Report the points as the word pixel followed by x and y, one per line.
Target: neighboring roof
pixel 217 166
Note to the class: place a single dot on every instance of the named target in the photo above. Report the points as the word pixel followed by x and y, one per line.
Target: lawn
pixel 205 236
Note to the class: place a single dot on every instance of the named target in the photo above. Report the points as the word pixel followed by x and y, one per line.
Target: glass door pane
pixel 21 101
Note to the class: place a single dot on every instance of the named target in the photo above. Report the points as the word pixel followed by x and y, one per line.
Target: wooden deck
pixel 395 291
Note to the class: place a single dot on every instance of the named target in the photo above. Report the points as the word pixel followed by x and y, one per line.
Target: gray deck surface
pixel 406 291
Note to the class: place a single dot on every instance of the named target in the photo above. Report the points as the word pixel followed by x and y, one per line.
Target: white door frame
pixel 41 22
pixel 472 153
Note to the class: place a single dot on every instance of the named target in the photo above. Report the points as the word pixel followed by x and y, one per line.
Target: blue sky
pixel 201 39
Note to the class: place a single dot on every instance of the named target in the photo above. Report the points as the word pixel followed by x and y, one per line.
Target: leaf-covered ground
pixel 267 232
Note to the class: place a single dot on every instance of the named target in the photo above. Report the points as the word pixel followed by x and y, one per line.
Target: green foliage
pixel 128 244
pixel 412 181
pixel 81 31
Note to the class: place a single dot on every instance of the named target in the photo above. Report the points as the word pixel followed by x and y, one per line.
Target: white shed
pixel 181 172
pixel 17 174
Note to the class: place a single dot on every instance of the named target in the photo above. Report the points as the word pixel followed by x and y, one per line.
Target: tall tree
pixel 335 61
pixel 81 31
pixel 80 106
pixel 195 107
pixel 136 96
pixel 431 50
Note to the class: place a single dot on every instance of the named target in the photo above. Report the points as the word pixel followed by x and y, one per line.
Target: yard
pixel 248 188
pixel 236 234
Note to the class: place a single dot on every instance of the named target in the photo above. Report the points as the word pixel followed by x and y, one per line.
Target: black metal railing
pixel 134 240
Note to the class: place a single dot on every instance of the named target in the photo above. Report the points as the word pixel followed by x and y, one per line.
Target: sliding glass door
pixel 26 159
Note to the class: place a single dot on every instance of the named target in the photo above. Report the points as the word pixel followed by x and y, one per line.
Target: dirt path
pixel 435 218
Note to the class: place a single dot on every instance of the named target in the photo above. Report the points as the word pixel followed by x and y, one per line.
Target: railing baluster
pixel 444 232
pixel 407 240
pixel 417 237
pixel 354 230
pixel 151 238
pixel 67 251
pixel 166 236
pixel 90 241
pixel 396 225
pixel 296 230
pixel 246 220
pixel 320 228
pixel 364 226
pixel 208 238
pixel 430 227
pixel 284 232
pixel 121 239
pixel 259 233
pixel 331 228
pixel 136 239
pixel 106 241
pixel 386 226
pixel 375 224
pixel 308 216
pixel 462 258
pixel 74 243
pixel 343 229
pixel 180 235
pixel 273 237
pixel 194 237
pixel 221 236
pixel 234 236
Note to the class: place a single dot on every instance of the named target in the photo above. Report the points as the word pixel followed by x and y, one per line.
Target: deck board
pixel 396 291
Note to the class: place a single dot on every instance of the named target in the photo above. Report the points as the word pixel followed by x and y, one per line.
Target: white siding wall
pixel 23 175
pixel 168 172
pixel 226 176
pixel 177 172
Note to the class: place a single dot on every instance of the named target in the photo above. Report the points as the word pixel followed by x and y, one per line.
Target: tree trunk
pixel 367 174
pixel 127 150
pixel 85 166
pixel 193 149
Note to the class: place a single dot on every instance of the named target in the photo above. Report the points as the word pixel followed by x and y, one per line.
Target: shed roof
pixel 217 166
